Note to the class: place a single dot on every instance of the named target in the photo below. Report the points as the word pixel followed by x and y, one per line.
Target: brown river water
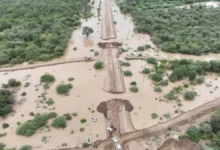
pixel 87 89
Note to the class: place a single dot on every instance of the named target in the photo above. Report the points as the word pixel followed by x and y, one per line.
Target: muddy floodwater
pixel 87 92
pixel 85 96
pixel 208 4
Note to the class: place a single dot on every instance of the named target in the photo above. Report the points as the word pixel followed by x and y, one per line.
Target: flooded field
pixel 87 82
pixel 87 92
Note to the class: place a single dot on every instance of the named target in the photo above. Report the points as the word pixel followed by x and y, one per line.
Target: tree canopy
pixel 37 30
pixel 191 31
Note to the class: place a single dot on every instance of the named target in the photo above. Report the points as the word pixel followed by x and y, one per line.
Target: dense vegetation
pixel 209 130
pixel 29 128
pixel 98 65
pixel 6 100
pixel 37 30
pixel 189 31
pixel 59 122
pixel 64 88
pixel 190 68
pixel 47 78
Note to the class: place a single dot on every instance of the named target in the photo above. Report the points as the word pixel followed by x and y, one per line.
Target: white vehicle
pixel 109 129
pixel 94 119
pixel 115 139
pixel 118 146
pixel 88 140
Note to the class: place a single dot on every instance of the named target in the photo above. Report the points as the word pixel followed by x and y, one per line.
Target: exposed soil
pixel 47 64
pixel 184 144
pixel 118 117
pixel 108 29
pixel 113 80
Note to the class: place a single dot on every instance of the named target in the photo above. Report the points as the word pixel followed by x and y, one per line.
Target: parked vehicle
pixel 115 139
pixel 89 140
pixel 109 129
pixel 118 146
pixel 94 119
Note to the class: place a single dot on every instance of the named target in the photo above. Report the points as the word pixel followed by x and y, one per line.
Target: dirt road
pixel 108 28
pixel 33 66
pixel 113 80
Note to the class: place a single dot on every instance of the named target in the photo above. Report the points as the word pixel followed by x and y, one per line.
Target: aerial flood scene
pixel 109 75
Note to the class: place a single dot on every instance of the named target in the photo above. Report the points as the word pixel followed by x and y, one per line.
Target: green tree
pixel 215 121
pixel 87 31
pixel 13 83
pixel 63 88
pixel 190 95
pixel 156 77
pixel 146 71
pixel 59 122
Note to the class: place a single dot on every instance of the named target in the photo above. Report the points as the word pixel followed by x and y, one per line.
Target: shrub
pixel 96 53
pixel 63 88
pixel 26 129
pixel 98 65
pixel 74 48
pixel 26 147
pixel 52 115
pixel 156 77
pixel 134 89
pixel 59 122
pixel 5 86
pixel 31 114
pixel 85 144
pixel 5 125
pixel 82 129
pixel 13 83
pixel 6 99
pixel 152 60
pixel 157 89
pixel 67 116
pixel 192 75
pixel 74 114
pixel 40 120
pixel 154 115
pixel 147 46
pixel 91 50
pixel 185 85
pixel 200 80
pixel 167 116
pixel 215 119
pixel 23 94
pixel 183 136
pixel 133 83
pixel 193 133
pixel 46 86
pixel 50 101
pixel 205 128
pixel 171 95
pixel 126 64
pixel 2 146
pixel 70 79
pixel 83 120
pixel 146 71
pixel 190 95
pixel 159 71
pixel 47 78
pixel 127 73
pixel 164 82
pixel 123 50
pixel 26 84
pixel 141 48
